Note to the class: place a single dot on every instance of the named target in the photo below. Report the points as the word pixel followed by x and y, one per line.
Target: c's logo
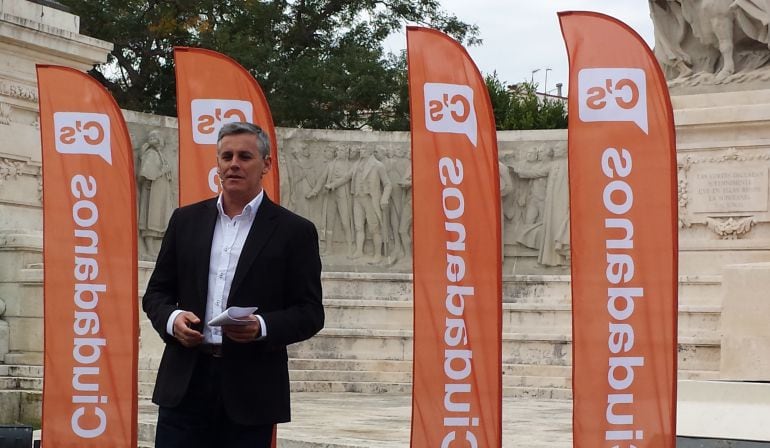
pixel 449 108
pixel 82 133
pixel 613 94
pixel 209 115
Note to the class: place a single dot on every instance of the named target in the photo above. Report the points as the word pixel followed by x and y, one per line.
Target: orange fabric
pixel 457 388
pixel 623 205
pixel 212 90
pixel 90 259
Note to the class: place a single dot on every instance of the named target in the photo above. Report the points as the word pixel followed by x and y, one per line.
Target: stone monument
pixel 716 56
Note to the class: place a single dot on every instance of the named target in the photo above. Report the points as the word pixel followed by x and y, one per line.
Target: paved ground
pixel 342 420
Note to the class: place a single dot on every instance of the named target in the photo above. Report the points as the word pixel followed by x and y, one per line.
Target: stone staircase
pixel 366 345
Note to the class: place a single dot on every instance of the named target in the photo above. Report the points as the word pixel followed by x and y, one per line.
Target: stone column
pixel 31 34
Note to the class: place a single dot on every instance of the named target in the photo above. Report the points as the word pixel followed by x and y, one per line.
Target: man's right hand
pixel 182 331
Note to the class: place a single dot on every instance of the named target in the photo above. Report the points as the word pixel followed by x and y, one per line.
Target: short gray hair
pixel 243 127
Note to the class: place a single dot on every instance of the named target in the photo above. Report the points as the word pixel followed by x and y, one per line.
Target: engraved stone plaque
pixel 728 188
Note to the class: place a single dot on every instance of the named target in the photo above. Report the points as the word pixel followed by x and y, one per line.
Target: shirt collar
pixel 249 210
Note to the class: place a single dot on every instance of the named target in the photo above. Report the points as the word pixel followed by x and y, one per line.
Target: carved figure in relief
pixel 303 181
pixel 547 230
pixel 156 201
pixel 405 223
pixel 392 215
pixel 335 181
pixel 371 189
pixel 506 194
pixel 285 177
pixel 531 234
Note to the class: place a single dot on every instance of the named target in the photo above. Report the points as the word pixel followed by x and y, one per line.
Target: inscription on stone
pixel 728 188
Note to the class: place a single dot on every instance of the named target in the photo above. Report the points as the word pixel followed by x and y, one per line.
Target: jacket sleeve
pixel 160 298
pixel 303 315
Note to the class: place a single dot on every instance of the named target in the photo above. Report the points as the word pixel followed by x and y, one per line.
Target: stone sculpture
pixel 335 181
pixel 371 189
pixel 546 216
pixel 715 41
pixel 156 187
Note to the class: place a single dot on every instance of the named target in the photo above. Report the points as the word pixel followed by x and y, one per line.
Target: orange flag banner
pixel 457 391
pixel 211 90
pixel 623 206
pixel 90 259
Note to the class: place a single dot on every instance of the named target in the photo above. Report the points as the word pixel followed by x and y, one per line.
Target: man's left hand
pixel 244 333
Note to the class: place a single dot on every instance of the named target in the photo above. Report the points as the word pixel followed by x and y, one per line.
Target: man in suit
pixel 227 386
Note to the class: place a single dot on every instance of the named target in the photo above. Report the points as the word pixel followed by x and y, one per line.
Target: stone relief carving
pixel 730 228
pixel 156 185
pixel 371 188
pixel 712 41
pixel 727 192
pixel 18 91
pixel 10 169
pixel 5 113
pixel 363 194
pixel 333 185
pixel 542 223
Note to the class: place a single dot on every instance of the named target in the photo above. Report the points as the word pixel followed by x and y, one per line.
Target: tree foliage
pixel 320 63
pixel 521 108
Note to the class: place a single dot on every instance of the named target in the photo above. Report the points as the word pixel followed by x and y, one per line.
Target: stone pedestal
pixel 723 150
pixel 745 329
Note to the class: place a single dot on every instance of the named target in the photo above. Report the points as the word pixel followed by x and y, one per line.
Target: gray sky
pixel 524 35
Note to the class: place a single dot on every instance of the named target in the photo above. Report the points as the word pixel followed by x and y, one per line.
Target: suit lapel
pixel 203 249
pixel 260 232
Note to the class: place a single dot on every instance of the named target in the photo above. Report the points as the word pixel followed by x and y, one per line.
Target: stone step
pixel 374 286
pixel 536 377
pixel 700 290
pixel 20 405
pixel 547 393
pixel 521 381
pixel 696 352
pixel 359 387
pixel 367 313
pixel 20 383
pixel 516 317
pixel 350 376
pixel 21 370
pixel 350 365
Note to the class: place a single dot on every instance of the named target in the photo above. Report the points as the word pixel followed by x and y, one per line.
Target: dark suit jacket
pixel 279 271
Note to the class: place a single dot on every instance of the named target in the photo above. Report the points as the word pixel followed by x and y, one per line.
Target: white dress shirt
pixel 226 246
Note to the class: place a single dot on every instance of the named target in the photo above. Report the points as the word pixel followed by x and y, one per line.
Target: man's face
pixel 355 153
pixel 342 153
pixel 241 166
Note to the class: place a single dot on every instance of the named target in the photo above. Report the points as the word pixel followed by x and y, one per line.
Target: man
pixel 228 386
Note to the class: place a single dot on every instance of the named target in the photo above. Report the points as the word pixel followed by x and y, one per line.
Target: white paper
pixel 235 315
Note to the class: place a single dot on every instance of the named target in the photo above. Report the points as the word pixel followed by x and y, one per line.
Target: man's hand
pixel 182 331
pixel 244 333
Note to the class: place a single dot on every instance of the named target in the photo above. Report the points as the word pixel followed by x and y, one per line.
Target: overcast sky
pixel 524 35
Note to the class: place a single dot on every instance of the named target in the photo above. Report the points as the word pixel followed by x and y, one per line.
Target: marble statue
pixel 156 186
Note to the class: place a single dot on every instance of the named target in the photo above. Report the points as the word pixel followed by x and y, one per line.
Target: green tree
pixel 320 63
pixel 520 107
